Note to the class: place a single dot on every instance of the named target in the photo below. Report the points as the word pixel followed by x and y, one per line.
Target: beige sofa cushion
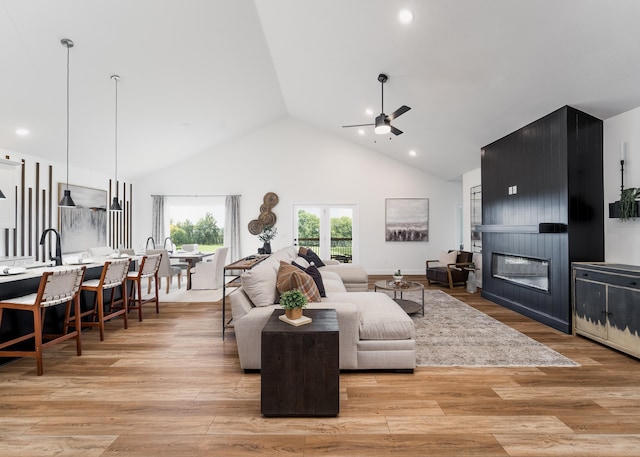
pixel 380 317
pixel 332 282
pixel 349 272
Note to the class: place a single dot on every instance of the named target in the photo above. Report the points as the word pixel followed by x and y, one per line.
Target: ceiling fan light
pixel 383 125
pixel 382 129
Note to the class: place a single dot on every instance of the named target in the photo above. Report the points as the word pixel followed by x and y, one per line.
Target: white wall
pixel 621 239
pixel 304 165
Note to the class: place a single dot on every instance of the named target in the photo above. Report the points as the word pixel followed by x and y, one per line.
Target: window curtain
pixel 157 219
pixel 232 226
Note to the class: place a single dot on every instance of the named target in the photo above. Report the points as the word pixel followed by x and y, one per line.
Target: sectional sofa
pixel 375 333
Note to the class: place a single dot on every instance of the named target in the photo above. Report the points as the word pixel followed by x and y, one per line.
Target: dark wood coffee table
pixel 300 368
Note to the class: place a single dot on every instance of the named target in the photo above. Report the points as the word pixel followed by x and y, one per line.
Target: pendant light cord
pixel 68 49
pixel 116 77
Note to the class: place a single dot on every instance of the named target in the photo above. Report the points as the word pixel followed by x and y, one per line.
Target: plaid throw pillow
pixel 291 277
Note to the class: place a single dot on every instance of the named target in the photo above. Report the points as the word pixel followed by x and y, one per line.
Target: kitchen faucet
pixel 164 245
pixel 153 243
pixel 58 256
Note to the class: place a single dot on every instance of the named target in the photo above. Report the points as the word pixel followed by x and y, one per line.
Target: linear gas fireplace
pixel 521 270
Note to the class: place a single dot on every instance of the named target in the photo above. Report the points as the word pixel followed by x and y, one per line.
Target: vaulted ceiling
pixel 198 73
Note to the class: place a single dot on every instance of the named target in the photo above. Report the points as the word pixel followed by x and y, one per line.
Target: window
pixel 195 220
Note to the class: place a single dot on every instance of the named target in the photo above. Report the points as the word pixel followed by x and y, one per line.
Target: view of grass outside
pixel 206 233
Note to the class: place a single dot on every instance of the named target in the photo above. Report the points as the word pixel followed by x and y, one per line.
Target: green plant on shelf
pixel 628 203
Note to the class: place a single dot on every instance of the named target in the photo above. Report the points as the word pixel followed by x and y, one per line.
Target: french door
pixel 330 230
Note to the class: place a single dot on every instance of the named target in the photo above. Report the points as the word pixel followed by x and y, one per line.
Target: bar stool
pixel 114 274
pixel 148 269
pixel 56 288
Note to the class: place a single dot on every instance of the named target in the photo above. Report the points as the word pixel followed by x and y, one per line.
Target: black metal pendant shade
pixel 67 201
pixel 115 205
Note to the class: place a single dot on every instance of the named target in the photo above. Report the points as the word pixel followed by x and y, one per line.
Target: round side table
pixel 409 306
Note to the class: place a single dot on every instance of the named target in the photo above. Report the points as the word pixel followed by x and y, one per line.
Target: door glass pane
pixel 309 228
pixel 342 234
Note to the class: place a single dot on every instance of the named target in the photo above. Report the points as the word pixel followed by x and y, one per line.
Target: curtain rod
pixel 196 195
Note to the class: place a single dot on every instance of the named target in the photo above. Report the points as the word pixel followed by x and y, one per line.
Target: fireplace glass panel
pixel 524 271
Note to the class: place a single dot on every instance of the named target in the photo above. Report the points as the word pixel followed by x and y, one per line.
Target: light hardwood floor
pixel 169 386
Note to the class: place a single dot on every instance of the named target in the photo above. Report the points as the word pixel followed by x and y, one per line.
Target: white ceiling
pixel 198 73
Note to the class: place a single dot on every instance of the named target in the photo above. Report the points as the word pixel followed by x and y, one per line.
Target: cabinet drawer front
pixel 632 282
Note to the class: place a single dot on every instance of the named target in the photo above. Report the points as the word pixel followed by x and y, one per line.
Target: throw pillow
pixel 311 256
pixel 302 262
pixel 259 284
pixel 291 277
pixel 447 257
pixel 313 271
pixel 302 251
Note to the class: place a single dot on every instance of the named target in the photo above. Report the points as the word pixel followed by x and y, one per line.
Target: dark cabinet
pixel 607 304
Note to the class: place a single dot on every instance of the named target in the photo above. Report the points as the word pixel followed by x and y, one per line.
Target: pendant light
pixel 115 206
pixel 67 201
pixel 2 196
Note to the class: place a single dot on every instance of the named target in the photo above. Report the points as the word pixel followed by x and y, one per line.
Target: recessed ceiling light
pixel 405 16
pixel 413 153
pixel 22 132
pixel 361 132
pixel 369 112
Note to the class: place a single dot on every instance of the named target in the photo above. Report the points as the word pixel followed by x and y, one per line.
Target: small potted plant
pixel 397 276
pixel 293 301
pixel 266 236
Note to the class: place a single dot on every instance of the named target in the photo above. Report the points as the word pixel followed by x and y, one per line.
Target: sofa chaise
pixel 375 333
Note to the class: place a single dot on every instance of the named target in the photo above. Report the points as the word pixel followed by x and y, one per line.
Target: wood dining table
pixel 191 258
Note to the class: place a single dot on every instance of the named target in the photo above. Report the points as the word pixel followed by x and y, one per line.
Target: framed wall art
pixel 85 225
pixel 407 219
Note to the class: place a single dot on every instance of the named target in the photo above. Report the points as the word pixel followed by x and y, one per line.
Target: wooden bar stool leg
pixel 157 299
pixel 100 304
pixel 37 329
pixel 76 301
pixel 139 300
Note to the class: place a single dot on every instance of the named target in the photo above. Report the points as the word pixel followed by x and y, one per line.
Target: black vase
pixel 266 247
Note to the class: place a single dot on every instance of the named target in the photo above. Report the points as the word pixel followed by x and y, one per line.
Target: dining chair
pixel 165 270
pixel 149 265
pixel 56 288
pixel 210 274
pixel 114 274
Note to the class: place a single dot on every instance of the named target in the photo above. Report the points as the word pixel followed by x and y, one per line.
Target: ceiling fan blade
pixel 357 125
pixel 399 112
pixel 395 131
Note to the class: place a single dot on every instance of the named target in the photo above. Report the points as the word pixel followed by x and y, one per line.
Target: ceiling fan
pixel 383 122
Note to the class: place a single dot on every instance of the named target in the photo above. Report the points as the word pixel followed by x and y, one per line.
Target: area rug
pixel 453 334
pixel 183 295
